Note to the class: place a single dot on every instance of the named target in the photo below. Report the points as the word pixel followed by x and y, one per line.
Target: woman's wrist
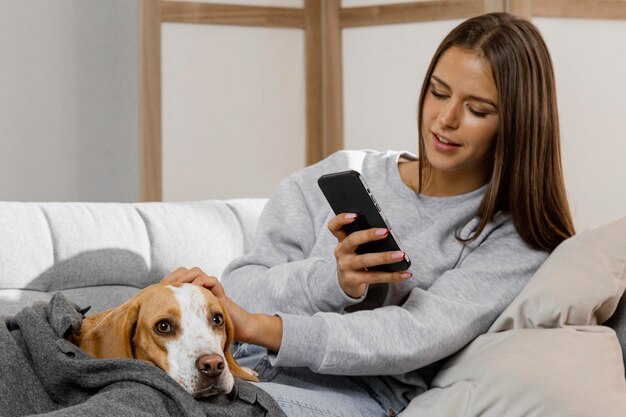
pixel 266 331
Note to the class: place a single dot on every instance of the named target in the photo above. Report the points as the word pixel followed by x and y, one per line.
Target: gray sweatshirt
pixel 456 292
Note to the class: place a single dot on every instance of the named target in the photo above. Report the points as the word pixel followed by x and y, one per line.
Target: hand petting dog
pixel 259 329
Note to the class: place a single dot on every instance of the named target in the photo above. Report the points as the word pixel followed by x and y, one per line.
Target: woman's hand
pixel 260 329
pixel 351 268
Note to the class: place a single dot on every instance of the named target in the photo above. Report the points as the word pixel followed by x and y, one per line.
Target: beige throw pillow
pixel 580 283
pixel 567 372
pixel 545 356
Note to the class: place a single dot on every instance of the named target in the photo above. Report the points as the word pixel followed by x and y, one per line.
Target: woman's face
pixel 460 116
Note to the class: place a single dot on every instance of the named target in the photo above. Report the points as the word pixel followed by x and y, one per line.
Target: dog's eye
pixel 163 327
pixel 218 320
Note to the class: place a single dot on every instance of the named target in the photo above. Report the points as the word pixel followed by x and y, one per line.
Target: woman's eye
pixel 482 115
pixel 437 94
pixel 163 327
pixel 218 320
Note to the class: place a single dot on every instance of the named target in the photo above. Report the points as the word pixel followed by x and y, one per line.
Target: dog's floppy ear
pixel 108 334
pixel 234 367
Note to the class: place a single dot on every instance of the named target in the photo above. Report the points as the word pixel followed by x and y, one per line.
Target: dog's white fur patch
pixel 197 337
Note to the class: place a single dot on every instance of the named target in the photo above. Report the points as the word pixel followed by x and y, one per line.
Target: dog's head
pixel 182 328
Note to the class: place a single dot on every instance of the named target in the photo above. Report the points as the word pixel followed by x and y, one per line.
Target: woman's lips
pixel 443 143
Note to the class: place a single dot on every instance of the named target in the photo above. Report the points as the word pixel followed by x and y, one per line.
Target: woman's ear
pixel 234 367
pixel 108 334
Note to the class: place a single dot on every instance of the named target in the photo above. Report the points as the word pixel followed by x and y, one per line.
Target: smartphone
pixel 347 192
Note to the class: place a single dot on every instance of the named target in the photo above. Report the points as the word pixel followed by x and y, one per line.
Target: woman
pixel 478 213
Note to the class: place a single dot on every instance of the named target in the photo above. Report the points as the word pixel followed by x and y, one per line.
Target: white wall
pixel 590 65
pixel 384 67
pixel 233 110
pixel 69 104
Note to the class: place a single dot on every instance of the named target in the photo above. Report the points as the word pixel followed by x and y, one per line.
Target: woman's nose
pixel 449 116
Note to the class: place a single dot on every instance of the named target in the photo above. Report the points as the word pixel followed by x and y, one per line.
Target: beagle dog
pixel 181 328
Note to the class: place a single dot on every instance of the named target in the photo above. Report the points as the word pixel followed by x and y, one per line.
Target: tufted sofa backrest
pixel 102 253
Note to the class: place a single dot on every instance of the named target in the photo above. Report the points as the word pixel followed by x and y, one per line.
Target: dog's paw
pixel 250 371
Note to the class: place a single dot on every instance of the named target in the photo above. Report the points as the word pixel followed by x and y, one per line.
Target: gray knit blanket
pixel 42 373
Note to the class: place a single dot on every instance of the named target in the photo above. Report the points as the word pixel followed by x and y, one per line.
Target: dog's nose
pixel 211 365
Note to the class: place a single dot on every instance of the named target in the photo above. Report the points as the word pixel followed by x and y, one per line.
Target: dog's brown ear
pixel 108 334
pixel 234 367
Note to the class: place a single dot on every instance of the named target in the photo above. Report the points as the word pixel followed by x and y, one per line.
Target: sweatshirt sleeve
pixel 430 325
pixel 278 273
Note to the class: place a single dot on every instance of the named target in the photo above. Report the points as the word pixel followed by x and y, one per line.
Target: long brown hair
pixel 526 179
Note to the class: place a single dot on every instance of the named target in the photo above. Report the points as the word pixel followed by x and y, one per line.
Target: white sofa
pixel 100 254
pixel 547 355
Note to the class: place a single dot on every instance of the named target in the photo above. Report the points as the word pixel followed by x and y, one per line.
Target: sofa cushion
pixel 581 283
pixel 92 244
pixel 26 248
pixel 568 371
pixel 112 249
pixel 190 234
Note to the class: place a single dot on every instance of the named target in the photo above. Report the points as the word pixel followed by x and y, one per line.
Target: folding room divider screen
pixel 322 21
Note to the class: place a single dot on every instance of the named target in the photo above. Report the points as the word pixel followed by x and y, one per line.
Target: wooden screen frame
pixel 322 22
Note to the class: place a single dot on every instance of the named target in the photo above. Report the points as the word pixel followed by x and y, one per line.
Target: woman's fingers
pixel 174 276
pixel 352 268
pixel 210 283
pixel 195 276
pixel 335 225
pixel 183 275
pixel 374 277
pixel 356 239
pixel 368 260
